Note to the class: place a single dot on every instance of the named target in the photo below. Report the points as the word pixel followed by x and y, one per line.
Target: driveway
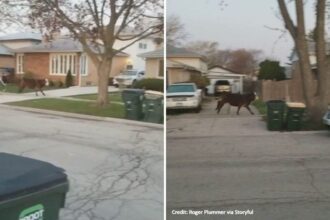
pixel 232 163
pixel 115 170
pixel 55 93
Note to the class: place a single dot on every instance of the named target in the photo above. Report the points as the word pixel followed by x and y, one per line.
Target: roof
pixel 60 45
pixel 172 52
pixel 5 51
pixel 176 64
pixel 224 68
pixel 159 53
pixel 21 36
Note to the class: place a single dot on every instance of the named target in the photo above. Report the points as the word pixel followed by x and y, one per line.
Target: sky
pixel 240 24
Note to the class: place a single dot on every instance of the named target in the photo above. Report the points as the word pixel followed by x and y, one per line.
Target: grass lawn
pixel 261 106
pixel 113 96
pixel 81 107
pixel 13 88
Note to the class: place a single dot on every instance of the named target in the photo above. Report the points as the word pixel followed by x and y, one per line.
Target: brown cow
pixel 36 84
pixel 236 100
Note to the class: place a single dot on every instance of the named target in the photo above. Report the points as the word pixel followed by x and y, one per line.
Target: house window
pixel 142 46
pixel 60 64
pixel 19 62
pixel 129 66
pixel 83 65
pixel 161 68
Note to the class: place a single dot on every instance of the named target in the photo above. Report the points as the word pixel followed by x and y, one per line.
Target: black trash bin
pixel 275 115
pixel 30 189
pixel 294 115
pixel 153 107
pixel 133 99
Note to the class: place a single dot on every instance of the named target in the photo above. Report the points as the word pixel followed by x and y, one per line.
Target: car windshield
pixel 180 88
pixel 129 73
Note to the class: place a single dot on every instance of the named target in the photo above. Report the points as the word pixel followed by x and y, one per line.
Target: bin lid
pixel 20 176
pixel 139 91
pixel 296 105
pixel 149 94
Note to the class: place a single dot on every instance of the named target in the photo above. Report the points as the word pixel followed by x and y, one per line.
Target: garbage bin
pixel 133 103
pixel 30 189
pixel 153 108
pixel 294 115
pixel 275 115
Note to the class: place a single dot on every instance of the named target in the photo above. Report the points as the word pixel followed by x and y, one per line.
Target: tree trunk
pixel 103 71
pixel 316 101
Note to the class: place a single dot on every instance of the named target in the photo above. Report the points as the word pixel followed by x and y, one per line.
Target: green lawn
pixel 13 88
pixel 73 106
pixel 261 106
pixel 113 96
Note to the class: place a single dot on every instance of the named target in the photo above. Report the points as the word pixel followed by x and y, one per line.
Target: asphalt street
pixel 115 170
pixel 233 166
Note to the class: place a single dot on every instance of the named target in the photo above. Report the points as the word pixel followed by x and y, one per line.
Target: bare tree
pixel 97 24
pixel 316 101
pixel 240 60
pixel 175 31
pixel 243 61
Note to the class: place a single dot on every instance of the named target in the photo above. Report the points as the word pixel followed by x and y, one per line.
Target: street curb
pixel 85 117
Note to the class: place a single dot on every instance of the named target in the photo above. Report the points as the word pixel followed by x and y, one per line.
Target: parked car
pixel 128 77
pixel 184 96
pixel 326 119
pixel 222 86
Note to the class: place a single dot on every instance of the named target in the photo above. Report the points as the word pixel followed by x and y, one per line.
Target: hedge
pixel 150 84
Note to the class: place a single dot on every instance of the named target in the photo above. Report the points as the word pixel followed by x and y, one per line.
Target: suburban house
pixel 53 60
pixel 14 41
pixel 147 44
pixel 181 64
pixel 142 46
pixel 154 63
pixel 220 73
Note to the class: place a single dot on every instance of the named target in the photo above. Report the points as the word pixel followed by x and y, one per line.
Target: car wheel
pixel 198 109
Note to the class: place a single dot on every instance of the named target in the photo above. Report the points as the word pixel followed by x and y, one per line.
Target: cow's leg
pixel 238 108
pixel 220 104
pixel 42 91
pixel 249 110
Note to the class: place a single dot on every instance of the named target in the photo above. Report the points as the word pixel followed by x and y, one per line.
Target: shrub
pixel 150 84
pixel 68 79
pixel 51 83
pixel 200 81
pixel 60 84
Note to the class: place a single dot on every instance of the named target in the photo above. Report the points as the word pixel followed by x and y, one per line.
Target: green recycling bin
pixel 30 189
pixel 153 107
pixel 275 115
pixel 133 99
pixel 294 115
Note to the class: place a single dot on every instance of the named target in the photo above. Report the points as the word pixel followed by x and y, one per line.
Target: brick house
pixel 12 41
pixel 53 60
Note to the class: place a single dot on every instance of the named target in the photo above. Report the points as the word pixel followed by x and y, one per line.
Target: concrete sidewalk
pixel 56 93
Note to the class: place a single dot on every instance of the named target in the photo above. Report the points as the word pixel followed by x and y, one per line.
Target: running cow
pixel 36 84
pixel 236 100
